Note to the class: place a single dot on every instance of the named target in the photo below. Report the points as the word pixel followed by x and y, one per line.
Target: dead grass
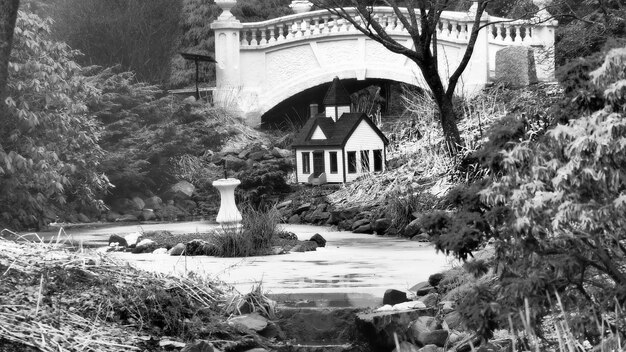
pixel 54 299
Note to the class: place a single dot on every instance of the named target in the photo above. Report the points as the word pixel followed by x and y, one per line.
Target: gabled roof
pixel 337 133
pixel 337 95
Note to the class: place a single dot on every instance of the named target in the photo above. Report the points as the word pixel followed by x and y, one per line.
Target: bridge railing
pixel 453 26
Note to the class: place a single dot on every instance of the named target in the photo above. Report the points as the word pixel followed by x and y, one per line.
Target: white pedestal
pixel 229 215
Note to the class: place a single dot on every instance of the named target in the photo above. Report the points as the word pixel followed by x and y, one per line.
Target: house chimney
pixel 313 110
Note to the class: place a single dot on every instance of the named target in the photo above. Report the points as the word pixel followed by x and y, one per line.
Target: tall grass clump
pixel 254 237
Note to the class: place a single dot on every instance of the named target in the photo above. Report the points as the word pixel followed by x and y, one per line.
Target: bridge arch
pixel 323 77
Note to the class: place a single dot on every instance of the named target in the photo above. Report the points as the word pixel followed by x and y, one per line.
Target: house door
pixel 318 164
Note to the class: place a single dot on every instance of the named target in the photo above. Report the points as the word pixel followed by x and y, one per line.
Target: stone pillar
pixel 543 45
pixel 477 70
pixel 227 42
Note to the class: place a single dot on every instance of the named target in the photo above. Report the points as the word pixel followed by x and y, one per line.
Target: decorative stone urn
pixel 226 6
pixel 228 216
pixel 300 6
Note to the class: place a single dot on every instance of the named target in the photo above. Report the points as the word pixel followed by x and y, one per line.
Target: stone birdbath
pixel 228 215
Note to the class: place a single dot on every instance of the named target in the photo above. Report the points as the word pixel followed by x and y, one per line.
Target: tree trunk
pixel 447 116
pixel 8 16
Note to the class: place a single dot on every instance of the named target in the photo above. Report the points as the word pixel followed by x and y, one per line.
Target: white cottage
pixel 338 146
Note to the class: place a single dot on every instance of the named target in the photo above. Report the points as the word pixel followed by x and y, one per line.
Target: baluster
pixel 507 33
pixel 280 32
pixel 525 38
pixel 335 24
pixel 262 35
pixel 454 29
pixel 272 37
pixel 289 30
pixel 316 26
pixel 244 37
pixel 253 35
pixel 297 29
pixel 324 24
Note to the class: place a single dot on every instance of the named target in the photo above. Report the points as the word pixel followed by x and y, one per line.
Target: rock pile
pixel 372 220
pixel 424 323
pixel 183 200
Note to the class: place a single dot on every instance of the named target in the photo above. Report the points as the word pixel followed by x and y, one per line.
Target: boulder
pixel 178 249
pixel 200 247
pixel 121 241
pixel 306 246
pixel 161 250
pixel 132 238
pixel 127 218
pixel 435 279
pixel 82 218
pixel 317 238
pixel 138 202
pixel 148 215
pixel 359 223
pixel 145 246
pixel 321 216
pixel 251 321
pixel 379 327
pixel 182 190
pixel 287 235
pixel 367 228
pixel 281 153
pixel 412 229
pixel 186 205
pixel 453 320
pixel 431 348
pixel 272 331
pixel 393 297
pixel 381 226
pixel 234 164
pixel 426 331
pixel 302 208
pixel 447 306
pixel 170 212
pixel 294 219
pixel 430 300
pixel 406 347
pixel 422 288
pixel 124 206
pixel 422 237
pixel 198 346
pixel 409 305
pixel 153 203
pixel 257 156
pixel 284 204
pixel 112 216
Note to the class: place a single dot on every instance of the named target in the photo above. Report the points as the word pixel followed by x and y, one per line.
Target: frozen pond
pixel 353 265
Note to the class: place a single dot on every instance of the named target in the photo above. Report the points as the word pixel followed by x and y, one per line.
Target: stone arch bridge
pixel 261 64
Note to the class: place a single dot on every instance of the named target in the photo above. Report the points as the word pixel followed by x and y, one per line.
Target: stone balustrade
pixel 507 32
pixel 453 26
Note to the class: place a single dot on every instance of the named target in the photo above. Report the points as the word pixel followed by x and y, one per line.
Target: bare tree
pixel 8 16
pixel 420 18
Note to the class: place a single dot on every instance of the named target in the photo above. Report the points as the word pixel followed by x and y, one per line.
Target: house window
pixel 333 162
pixel 306 163
pixel 378 160
pixel 365 160
pixel 351 162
